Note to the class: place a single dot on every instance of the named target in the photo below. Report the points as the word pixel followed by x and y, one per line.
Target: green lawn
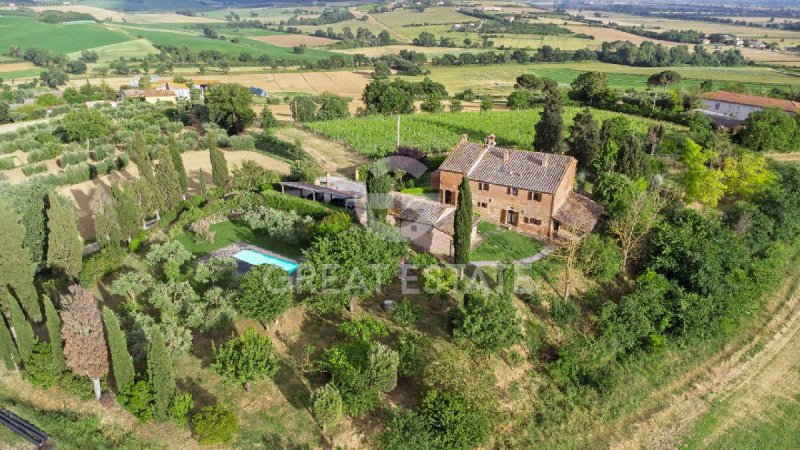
pixel 500 244
pixel 226 233
pixel 59 38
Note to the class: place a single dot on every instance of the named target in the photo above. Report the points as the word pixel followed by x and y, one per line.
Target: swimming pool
pixel 255 258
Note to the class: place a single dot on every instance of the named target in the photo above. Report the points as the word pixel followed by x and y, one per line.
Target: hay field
pixel 602 34
pixel 290 40
pixel 81 194
pixel 108 53
pixel 16 66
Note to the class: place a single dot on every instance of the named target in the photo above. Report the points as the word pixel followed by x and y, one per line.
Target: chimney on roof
pixel 489 141
pixel 506 155
pixel 464 138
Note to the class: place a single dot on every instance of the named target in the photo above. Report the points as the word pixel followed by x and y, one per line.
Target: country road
pixel 750 377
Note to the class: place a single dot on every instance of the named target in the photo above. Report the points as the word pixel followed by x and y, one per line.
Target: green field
pixel 779 428
pixel 129 49
pixel 499 79
pixel 196 43
pixel 375 135
pixel 28 32
pixel 146 5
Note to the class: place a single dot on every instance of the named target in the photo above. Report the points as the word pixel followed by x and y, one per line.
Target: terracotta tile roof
pixel 417 209
pixel 579 212
pixel 534 171
pixel 751 100
pixel 146 93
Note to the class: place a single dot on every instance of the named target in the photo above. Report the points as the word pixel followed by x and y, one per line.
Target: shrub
pixel 453 421
pixel 72 158
pixel 101 263
pixel 79 386
pixel 7 163
pixel 34 169
pixel 302 206
pixel 601 257
pixel 137 399
pixel 364 329
pixel 327 405
pixel 406 313
pixel 247 358
pixel 332 225
pixel 77 173
pixel 306 170
pixel 242 143
pixel 250 176
pixel 270 144
pixel 40 369
pixel 215 424
pixel 137 240
pixel 411 347
pixel 564 312
pixel 102 152
pixel 182 404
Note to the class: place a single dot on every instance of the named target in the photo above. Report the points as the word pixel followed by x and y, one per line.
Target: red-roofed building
pixel 530 192
pixel 738 106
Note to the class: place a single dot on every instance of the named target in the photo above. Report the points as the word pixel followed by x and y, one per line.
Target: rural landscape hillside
pixel 399 225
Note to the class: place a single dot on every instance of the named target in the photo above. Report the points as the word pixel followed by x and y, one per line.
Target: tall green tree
pixel 22 331
pixel 129 215
pixel 589 87
pixel 16 268
pixel 462 236
pixel 29 201
pixel 138 149
pixel 54 333
pixel 177 164
pixel 631 158
pixel 8 351
pixel 230 106
pixel 203 187
pixel 161 374
pixel 379 185
pixel 168 180
pixel 106 222
pixel 549 135
pixel 265 292
pixel 121 360
pixel 64 243
pixel 770 130
pixel 219 166
pixel 584 138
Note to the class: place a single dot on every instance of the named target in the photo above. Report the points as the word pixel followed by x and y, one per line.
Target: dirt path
pixel 333 157
pixel 750 376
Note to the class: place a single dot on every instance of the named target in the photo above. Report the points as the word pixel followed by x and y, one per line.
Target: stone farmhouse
pixel 529 192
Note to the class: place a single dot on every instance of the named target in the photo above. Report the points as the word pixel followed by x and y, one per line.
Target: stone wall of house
pixel 493 205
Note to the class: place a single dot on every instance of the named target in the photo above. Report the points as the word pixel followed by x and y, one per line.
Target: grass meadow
pixel 439 132
pixel 58 38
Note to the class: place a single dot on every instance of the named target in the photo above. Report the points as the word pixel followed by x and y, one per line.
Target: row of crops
pixel 439 132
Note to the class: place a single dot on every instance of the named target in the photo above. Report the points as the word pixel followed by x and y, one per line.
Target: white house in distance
pixel 738 106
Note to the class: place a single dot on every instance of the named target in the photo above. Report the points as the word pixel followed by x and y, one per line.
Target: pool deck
pixel 232 249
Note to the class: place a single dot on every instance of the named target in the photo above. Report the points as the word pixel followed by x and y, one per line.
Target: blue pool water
pixel 255 258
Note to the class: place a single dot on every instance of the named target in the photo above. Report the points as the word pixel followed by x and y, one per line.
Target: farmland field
pixel 290 40
pixel 375 135
pixel 197 43
pixel 128 49
pixel 59 38
pixel 103 14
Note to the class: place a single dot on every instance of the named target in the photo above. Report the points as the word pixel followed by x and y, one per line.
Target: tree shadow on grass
pixel 200 395
pixel 278 442
pixel 289 381
pixel 202 346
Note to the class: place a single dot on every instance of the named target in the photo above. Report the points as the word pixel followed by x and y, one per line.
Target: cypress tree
pixel 64 244
pixel 162 377
pixel 631 159
pixel 22 331
pixel 121 361
pixel 549 136
pixel 54 333
pixel 129 216
pixel 85 346
pixel 8 351
pixel 379 184
pixel 219 166
pixel 167 180
pixel 584 138
pixel 203 187
pixel 16 268
pixel 139 151
pixel 462 236
pixel 177 163
pixel 107 229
